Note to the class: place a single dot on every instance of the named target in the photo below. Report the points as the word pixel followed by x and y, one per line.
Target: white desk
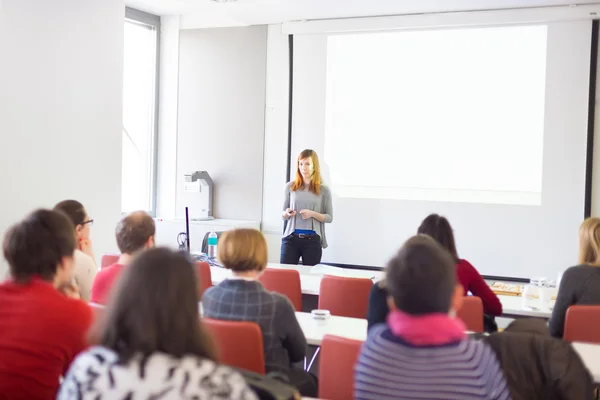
pixel 590 355
pixel 356 328
pixel 512 306
pixel 314 330
pixel 168 229
pixel 310 281
pixel 310 277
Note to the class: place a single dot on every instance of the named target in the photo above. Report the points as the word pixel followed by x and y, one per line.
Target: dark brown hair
pixel 243 250
pixel 154 308
pixel 74 210
pixel 440 229
pixel 37 245
pixel 421 277
pixel 133 231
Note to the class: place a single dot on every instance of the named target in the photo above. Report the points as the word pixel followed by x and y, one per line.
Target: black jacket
pixel 537 366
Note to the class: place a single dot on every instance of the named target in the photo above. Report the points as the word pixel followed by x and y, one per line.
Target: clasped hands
pixel 306 214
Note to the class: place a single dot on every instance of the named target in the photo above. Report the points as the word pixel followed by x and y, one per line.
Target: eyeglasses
pixel 89 221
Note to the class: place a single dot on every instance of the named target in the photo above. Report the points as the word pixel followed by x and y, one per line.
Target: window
pixel 140 86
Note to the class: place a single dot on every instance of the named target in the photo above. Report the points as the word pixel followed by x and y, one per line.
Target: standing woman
pixel 84 262
pixel 307 208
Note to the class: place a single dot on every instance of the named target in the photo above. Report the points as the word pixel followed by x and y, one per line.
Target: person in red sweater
pixel 42 329
pixel 440 229
pixel 134 233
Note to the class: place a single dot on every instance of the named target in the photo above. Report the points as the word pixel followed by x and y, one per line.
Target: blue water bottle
pixel 212 245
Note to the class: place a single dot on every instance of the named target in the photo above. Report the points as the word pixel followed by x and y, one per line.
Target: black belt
pixel 305 235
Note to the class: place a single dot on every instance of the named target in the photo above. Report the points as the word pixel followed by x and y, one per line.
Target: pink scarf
pixel 428 329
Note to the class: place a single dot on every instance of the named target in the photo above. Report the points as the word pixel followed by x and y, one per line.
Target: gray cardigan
pixel 305 199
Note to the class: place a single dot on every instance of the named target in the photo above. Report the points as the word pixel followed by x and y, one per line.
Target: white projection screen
pixel 484 125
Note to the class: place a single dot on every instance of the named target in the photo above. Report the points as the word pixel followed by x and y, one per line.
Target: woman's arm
pixel 294 340
pixel 287 212
pixel 378 307
pixel 479 288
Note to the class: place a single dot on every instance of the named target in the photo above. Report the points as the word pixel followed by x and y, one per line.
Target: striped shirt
pixel 390 368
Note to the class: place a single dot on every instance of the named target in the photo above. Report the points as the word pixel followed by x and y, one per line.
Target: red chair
pixel 97 310
pixel 239 343
pixel 346 297
pixel 108 259
pixel 471 313
pixel 284 281
pixel 336 368
pixel 204 277
pixel 582 324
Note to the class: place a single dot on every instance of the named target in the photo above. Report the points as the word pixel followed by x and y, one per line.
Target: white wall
pixel 61 109
pixel 276 138
pixel 276 141
pixel 167 117
pixel 221 115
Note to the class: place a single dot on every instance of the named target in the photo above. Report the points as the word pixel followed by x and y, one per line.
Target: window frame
pixel 144 18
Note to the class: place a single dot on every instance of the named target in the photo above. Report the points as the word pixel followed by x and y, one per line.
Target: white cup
pixel 320 315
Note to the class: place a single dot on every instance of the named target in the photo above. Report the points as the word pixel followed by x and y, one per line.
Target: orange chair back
pixel 582 324
pixel 346 297
pixel 239 343
pixel 204 277
pixel 471 313
pixel 284 281
pixel 108 259
pixel 336 367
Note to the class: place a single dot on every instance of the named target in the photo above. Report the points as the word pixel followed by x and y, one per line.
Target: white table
pixel 314 330
pixel 512 306
pixel 590 355
pixel 310 281
pixel 310 277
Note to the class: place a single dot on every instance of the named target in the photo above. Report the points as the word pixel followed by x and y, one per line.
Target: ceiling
pixel 208 13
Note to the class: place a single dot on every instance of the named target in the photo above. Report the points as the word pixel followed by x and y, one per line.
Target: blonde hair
pixel 315 181
pixel 243 250
pixel 589 241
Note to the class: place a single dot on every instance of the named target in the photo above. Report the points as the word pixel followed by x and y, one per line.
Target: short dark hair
pixel 421 277
pixel 154 308
pixel 36 245
pixel 74 210
pixel 440 229
pixel 133 231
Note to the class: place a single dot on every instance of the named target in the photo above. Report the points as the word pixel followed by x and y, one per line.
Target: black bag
pixel 268 388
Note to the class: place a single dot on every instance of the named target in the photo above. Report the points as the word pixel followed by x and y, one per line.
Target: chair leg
pixel 312 359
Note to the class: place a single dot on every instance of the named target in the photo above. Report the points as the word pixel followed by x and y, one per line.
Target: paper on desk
pixel 321 269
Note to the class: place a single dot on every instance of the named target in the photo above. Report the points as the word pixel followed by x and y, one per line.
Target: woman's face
pixel 83 230
pixel 306 168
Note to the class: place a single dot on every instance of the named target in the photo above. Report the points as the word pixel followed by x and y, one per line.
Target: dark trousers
pixel 295 246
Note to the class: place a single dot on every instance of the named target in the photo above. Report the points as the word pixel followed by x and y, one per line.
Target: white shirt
pixel 95 374
pixel 84 273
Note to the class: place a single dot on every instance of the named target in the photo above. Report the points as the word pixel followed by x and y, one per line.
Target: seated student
pixel 579 284
pixel 85 264
pixel 439 229
pixel 151 343
pixel 41 329
pixel 243 298
pixel 135 232
pixel 537 366
pixel 423 352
